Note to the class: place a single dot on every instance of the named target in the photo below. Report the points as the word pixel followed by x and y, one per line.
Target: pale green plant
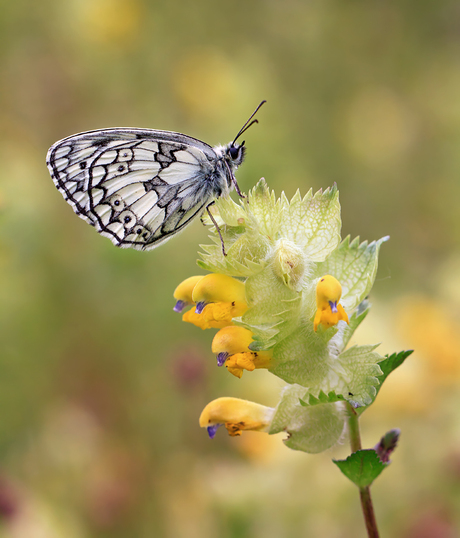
pixel 288 296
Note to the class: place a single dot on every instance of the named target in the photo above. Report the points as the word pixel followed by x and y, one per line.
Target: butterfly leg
pixel 217 226
pixel 235 183
pixel 237 188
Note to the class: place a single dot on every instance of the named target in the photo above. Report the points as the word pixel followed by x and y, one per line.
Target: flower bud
pixel 289 264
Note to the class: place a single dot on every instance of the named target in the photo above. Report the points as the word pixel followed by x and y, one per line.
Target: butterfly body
pixel 139 187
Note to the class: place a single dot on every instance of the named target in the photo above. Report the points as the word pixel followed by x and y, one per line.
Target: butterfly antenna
pixel 248 123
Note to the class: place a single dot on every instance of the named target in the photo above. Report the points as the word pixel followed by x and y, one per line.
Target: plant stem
pixel 364 493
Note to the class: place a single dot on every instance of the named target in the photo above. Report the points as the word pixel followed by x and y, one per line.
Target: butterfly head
pixel 234 154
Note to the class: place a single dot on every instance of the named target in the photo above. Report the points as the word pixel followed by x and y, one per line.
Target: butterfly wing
pixel 137 187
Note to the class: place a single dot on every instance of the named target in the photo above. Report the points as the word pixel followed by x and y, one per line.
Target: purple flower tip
pixel 212 430
pixel 180 305
pixel 200 307
pixel 221 358
pixel 333 306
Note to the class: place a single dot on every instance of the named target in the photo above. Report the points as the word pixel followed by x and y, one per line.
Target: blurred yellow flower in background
pixel 203 80
pixel 434 331
pixel 110 22
pixel 378 127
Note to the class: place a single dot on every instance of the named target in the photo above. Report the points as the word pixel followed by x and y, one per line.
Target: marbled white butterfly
pixel 139 187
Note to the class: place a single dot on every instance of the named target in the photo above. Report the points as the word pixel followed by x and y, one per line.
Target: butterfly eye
pixel 234 152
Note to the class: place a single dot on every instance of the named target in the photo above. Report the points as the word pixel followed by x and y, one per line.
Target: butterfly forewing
pixel 137 187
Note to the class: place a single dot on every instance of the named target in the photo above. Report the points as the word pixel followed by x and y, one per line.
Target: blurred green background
pixel 101 384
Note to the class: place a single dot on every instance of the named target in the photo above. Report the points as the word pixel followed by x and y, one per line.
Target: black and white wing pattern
pixel 139 187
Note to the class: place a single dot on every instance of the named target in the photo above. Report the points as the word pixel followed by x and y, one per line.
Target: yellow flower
pixel 216 288
pixel 218 299
pixel 183 292
pixel 231 345
pixel 329 311
pixel 207 318
pixel 236 415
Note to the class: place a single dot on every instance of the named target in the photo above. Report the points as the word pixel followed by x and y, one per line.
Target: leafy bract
pixel 313 222
pixel 306 359
pixel 251 229
pixel 322 398
pixel 310 429
pixel 387 365
pixel 354 265
pixel 274 312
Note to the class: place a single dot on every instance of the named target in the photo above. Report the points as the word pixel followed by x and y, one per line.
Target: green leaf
pixel 231 213
pixel 266 211
pixel 362 467
pixel 392 362
pixel 355 321
pixel 303 358
pixel 362 368
pixel 242 260
pixel 274 312
pixel 387 366
pixel 310 429
pixel 322 398
pixel 354 265
pixel 313 222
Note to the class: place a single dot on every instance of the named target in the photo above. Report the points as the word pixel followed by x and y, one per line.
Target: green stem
pixel 364 493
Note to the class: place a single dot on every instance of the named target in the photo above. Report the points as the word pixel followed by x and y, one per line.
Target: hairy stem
pixel 364 493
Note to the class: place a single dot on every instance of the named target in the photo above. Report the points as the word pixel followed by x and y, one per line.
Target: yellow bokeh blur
pixel 111 23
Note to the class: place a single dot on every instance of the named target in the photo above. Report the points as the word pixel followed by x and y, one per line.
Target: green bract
pixel 281 249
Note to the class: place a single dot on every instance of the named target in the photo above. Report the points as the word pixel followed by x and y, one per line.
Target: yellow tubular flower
pixel 236 415
pixel 205 320
pixel 219 298
pixel 183 292
pixel 329 311
pixel 231 345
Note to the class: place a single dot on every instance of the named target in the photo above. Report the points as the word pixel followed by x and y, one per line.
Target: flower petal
pixel 237 415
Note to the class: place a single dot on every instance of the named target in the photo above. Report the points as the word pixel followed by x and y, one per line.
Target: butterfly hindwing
pixel 137 187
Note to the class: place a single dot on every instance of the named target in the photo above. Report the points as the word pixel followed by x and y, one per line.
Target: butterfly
pixel 139 187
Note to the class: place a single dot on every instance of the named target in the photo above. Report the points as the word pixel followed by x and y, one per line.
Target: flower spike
pixel 286 264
